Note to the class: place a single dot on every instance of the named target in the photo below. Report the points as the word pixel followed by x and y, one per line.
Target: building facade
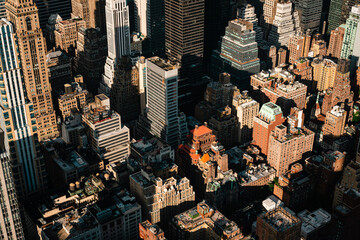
pixel 10 227
pixel 287 146
pixel 107 136
pixel 161 198
pixel 351 43
pixel 118 39
pixel 335 42
pixel 269 117
pixel 38 88
pixel 278 224
pixel 163 116
pixel 91 11
pixel 237 53
pixel 66 34
pixel 245 109
pixel 20 121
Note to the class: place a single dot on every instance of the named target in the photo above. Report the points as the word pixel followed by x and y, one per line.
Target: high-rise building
pixel 279 224
pixel 125 94
pixel 237 53
pixel 32 48
pixel 269 11
pixel 48 7
pixel 168 196
pixel 10 227
pixel 141 16
pixel 50 28
pixel 285 24
pixel 282 57
pixel 296 47
pixel 351 43
pixel 2 9
pixel 118 39
pixel 324 71
pixel 224 125
pixel 163 117
pixel 184 43
pixel 91 11
pixel 21 123
pixel 310 14
pixel 247 13
pixel 341 92
pixel 269 117
pixel 107 136
pixel 218 94
pixel 74 98
pixel 279 86
pixel 150 22
pixel 335 42
pixel 245 109
pixel 59 68
pixel 334 125
pixel 66 35
pixel 294 188
pixel 339 12
pixel 205 163
pixel 287 145
pixel 91 51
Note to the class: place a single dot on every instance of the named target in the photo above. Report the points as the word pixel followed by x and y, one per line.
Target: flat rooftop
pixel 165 65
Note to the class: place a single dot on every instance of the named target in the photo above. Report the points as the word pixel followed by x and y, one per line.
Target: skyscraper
pixel 150 21
pixel 287 145
pixel 162 115
pixel 184 42
pixel 48 7
pixel 237 53
pixel 91 11
pixel 351 43
pixel 247 12
pixel 339 12
pixel 2 9
pixel 19 117
pixel 324 71
pixel 118 39
pixel 245 109
pixel 335 42
pixel 269 117
pixel 286 23
pixel 32 48
pixel 10 227
pixel 310 14
pixel 108 137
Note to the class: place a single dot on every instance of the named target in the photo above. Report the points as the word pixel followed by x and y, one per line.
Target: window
pixel 28 23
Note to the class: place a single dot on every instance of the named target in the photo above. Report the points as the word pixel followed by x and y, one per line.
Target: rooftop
pixel 204 214
pixel 312 221
pixel 281 219
pixel 165 65
pixel 269 110
pixel 255 173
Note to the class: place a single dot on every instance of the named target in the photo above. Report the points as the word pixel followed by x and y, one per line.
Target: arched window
pixel 28 23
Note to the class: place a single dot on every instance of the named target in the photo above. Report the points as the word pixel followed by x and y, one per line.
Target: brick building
pixel 269 117
pixel 279 224
pixel 288 145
